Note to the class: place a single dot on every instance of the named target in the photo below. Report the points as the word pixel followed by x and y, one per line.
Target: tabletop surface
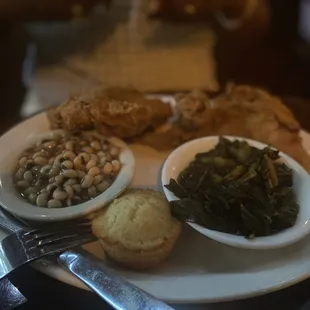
pixel 271 64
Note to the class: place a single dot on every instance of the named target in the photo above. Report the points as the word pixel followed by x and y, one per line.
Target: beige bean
pixel 114 151
pixel 104 185
pixel 54 203
pixel 81 160
pixel 22 184
pixel 22 162
pixel 77 188
pixel 94 157
pixel 59 179
pixel 94 171
pixel 116 165
pixel 105 146
pixel 68 155
pixel 70 192
pixel 67 164
pixel 51 180
pixel 83 142
pixel 88 149
pixel 87 181
pixel 41 200
pixel 59 194
pixel 38 154
pixel 45 169
pixel 103 160
pixel 85 156
pixel 41 161
pixel 81 174
pixel 54 171
pixel 57 160
pixel 92 192
pixel 71 182
pixel 29 191
pixel 28 176
pixel 51 187
pixel 20 173
pixel 90 164
pixel 107 169
pixel 98 179
pixel 69 173
pixel 78 164
pixel 95 145
pixel 32 197
pixel 69 145
pixel 101 154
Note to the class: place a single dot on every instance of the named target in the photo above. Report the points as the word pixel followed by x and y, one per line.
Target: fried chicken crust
pixel 241 111
pixel 124 113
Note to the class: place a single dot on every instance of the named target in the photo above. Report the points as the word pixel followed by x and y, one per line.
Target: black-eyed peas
pixel 87 181
pixel 66 170
pixel 54 203
pixel 92 163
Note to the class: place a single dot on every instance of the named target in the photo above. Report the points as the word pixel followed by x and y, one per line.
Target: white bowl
pixel 182 156
pixel 14 203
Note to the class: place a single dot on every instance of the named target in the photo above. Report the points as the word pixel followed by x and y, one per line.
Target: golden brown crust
pixel 124 113
pixel 241 110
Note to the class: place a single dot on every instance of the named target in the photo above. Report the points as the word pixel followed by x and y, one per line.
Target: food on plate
pixel 66 169
pixel 241 110
pixel 137 229
pixel 123 113
pixel 238 189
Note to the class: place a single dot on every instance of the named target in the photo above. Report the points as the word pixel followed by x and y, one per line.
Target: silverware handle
pixel 117 292
pixel 9 222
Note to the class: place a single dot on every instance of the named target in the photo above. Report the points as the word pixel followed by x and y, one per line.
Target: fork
pixel 116 291
pixel 27 245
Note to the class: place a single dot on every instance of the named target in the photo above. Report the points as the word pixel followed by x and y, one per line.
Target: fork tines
pixel 57 237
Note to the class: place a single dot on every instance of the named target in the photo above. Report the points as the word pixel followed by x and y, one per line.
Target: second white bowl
pixel 11 200
pixel 180 158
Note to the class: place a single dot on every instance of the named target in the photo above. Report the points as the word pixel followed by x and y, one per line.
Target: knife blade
pixel 116 291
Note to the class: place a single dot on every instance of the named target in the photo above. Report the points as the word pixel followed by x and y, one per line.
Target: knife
pixel 117 292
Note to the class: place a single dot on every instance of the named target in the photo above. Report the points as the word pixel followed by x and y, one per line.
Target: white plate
pixel 199 270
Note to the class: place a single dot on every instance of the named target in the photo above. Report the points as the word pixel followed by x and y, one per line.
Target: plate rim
pixel 56 272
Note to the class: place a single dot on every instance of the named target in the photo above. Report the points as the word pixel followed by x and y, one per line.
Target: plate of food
pixel 139 237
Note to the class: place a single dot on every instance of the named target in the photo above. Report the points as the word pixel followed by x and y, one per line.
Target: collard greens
pixel 237 189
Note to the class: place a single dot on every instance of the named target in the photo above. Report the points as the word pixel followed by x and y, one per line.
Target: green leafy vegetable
pixel 238 189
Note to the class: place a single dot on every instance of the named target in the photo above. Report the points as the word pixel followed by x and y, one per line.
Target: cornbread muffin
pixel 137 229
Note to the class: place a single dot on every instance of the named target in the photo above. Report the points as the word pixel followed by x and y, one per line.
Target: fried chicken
pixel 124 113
pixel 241 111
